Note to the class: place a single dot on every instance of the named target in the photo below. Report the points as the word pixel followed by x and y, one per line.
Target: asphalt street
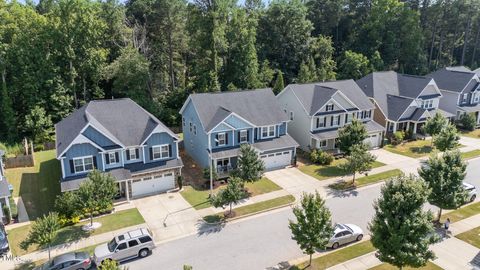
pixel 263 241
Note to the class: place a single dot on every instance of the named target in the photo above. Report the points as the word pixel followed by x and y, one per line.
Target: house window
pixel 268 132
pixel 112 158
pixel 194 129
pixel 321 122
pixel 335 120
pixel 84 164
pixel 476 97
pixel 221 139
pixel 465 98
pixel 329 107
pixel 191 126
pixel 223 164
pixel 132 153
pixel 322 143
pixel 348 118
pixel 184 123
pixel 243 136
pixel 161 151
pixel 427 104
pixel 291 116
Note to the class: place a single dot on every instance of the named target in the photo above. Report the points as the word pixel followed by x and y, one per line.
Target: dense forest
pixel 58 54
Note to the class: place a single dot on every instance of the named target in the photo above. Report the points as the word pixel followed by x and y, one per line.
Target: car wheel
pixel 143 253
pixel 472 199
pixel 360 237
pixel 335 245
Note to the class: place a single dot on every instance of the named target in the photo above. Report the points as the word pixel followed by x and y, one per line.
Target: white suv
pixel 136 243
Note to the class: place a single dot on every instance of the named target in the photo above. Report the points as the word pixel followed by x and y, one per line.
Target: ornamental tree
pixel 43 232
pixel 359 161
pixel 231 195
pixel 447 139
pixel 351 134
pixel 249 165
pixel 434 125
pixel 313 227
pixel 401 230
pixel 444 177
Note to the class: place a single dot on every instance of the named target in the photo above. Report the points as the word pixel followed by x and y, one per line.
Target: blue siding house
pixel 4 187
pixel 119 137
pixel 216 124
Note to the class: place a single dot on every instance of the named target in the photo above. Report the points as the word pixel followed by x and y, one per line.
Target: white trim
pixel 81 139
pixel 348 100
pixel 156 130
pixel 159 146
pixel 115 140
pixel 217 140
pixel 143 150
pixel 61 163
pixel 240 135
pixel 176 145
pixel 114 157
pixel 331 100
pixel 268 131
pixel 185 104
pixel 83 164
pixel 223 121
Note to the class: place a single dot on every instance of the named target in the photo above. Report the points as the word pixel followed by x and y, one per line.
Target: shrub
pixel 320 157
pixel 13 208
pixel 6 214
pixel 206 174
pixel 180 181
pixel 468 121
pixel 397 137
pixel 66 205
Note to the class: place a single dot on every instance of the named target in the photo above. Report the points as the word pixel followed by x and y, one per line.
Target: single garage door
pixel 156 184
pixel 277 160
pixel 373 140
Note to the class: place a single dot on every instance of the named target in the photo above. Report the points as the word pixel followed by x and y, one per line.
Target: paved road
pixel 260 242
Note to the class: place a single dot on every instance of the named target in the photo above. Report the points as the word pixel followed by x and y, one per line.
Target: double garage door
pixel 153 184
pixel 373 140
pixel 277 160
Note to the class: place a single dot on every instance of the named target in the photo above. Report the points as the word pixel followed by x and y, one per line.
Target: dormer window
pixel 427 104
pixel 329 107
pixel 268 132
pixel 465 98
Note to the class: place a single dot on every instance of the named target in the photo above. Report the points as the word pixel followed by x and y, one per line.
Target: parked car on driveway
pixel 136 243
pixel 344 234
pixel 4 246
pixel 472 191
pixel 68 261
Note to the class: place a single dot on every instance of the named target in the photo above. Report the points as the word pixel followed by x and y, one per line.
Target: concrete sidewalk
pixel 451 252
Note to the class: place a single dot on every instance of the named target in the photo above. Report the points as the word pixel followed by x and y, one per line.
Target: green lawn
pixel 472 134
pixel 366 180
pixel 199 198
pixel 470 154
pixel 254 208
pixel 413 149
pixel 462 213
pixel 322 172
pixel 339 256
pixel 38 186
pixel 429 266
pixel 110 222
pixel 472 237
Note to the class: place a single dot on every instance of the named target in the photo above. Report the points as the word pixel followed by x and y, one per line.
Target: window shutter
pixel 137 153
pixel 226 138
pixel 128 154
pixel 169 151
pixel 248 135
pixel 72 169
pixel 331 120
pixel 238 137
pixel 117 157
pixel 216 139
pixel 255 135
pixel 107 158
pixel 324 121
pixel 95 162
pixel 151 153
pixel 318 122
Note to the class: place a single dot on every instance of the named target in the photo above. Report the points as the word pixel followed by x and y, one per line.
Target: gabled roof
pixel 393 92
pixel 314 96
pixel 121 120
pixel 259 107
pixel 453 79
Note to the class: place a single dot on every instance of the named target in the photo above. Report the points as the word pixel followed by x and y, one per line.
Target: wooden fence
pixel 19 161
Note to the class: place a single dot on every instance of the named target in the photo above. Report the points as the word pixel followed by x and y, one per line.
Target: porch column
pixel 394 127
pixel 127 190
pixel 408 126
pixel 415 128
pixel 7 202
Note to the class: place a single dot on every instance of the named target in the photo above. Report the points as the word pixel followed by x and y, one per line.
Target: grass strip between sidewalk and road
pixel 470 154
pixel 472 237
pixel 462 213
pixel 366 180
pixel 111 222
pixel 322 172
pixel 338 256
pixel 198 199
pixel 385 266
pixel 253 208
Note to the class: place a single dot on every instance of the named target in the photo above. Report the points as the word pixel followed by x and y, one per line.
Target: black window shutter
pixel 169 151
pixel 72 169
pixel 151 153
pixel 117 157
pixel 137 153
pixel 238 137
pixel 226 138
pixel 331 120
pixel 325 121
pixel 216 139
pixel 255 135
pixel 318 122
pixel 95 162
pixel 107 158
pixel 248 135
pixel 128 154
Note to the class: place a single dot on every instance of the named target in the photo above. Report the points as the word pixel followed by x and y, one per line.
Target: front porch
pixel 411 127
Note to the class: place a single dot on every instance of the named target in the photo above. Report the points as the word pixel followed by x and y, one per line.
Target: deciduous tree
pixel 358 161
pixel 447 139
pixel 351 134
pixel 43 232
pixel 230 195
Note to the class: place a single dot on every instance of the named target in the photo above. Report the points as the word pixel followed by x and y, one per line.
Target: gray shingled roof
pixel 259 107
pixel 122 120
pixel 314 96
pixel 393 92
pixel 454 80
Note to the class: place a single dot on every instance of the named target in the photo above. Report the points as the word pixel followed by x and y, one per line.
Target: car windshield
pixel 339 226
pixel 112 245
pixel 348 228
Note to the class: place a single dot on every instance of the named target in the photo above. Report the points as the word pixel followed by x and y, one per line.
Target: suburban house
pixel 216 124
pixel 460 88
pixel 119 137
pixel 318 110
pixel 402 102
pixel 4 187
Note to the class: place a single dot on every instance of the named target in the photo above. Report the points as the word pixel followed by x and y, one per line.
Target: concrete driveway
pixel 168 215
pixel 406 164
pixel 296 182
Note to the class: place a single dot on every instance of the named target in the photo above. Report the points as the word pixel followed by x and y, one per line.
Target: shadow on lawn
pixel 421 150
pixel 39 190
pixel 329 171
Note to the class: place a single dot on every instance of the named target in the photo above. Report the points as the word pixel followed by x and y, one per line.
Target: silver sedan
pixel 344 234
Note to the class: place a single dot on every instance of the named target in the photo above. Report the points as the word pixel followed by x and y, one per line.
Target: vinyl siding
pixel 159 139
pixel 116 164
pixel 98 138
pixel 236 122
pixel 81 150
pixel 195 145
